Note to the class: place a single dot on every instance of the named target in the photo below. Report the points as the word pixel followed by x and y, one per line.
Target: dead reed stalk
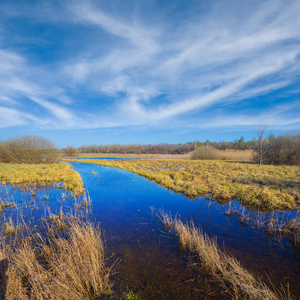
pixel 61 265
pixel 225 268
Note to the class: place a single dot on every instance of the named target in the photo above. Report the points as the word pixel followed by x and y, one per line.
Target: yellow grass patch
pixel 30 174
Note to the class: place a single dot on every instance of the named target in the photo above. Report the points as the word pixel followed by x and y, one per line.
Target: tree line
pixel 283 149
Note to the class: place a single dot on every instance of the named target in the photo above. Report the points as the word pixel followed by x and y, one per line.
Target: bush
pixel 71 151
pixel 28 149
pixel 283 150
pixel 205 152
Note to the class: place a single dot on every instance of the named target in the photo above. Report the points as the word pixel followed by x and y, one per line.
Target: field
pixel 265 187
pixel 42 174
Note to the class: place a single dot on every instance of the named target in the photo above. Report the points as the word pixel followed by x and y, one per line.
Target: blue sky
pixel 100 72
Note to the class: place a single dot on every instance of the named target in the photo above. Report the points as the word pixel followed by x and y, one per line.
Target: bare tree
pixel 261 144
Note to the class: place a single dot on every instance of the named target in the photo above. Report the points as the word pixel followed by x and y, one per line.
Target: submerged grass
pixel 266 187
pixel 235 279
pixel 31 174
pixel 65 264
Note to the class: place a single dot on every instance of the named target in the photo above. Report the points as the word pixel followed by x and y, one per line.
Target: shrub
pixel 71 151
pixel 283 150
pixel 28 149
pixel 205 152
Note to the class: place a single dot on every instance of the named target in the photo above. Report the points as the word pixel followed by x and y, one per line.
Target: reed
pixel 230 274
pixel 57 265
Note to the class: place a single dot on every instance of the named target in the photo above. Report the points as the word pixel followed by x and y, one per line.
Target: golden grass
pixel 235 155
pixel 132 155
pixel 225 268
pixel 30 174
pixel 266 187
pixel 68 265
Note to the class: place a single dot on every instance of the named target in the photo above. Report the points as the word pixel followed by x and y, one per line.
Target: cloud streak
pixel 137 69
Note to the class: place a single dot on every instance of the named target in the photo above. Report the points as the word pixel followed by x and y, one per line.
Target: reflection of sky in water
pixel 122 201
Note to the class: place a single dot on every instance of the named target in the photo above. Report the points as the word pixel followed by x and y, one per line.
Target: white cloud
pixel 157 71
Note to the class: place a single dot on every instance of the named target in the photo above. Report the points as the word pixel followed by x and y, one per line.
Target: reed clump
pixel 225 268
pixel 57 265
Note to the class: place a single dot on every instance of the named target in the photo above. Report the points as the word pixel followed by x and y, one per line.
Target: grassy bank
pixel 236 280
pixel 30 174
pixel 266 187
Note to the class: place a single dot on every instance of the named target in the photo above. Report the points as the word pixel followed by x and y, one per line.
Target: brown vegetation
pixel 205 152
pixel 210 153
pixel 28 149
pixel 225 268
pixel 68 265
pixel 70 151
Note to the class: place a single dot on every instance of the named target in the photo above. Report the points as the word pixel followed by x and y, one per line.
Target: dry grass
pixel 68 265
pixel 31 174
pixel 265 187
pixel 225 268
pixel 236 155
pixel 119 155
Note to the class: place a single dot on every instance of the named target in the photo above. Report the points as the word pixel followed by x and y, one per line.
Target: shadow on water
pixel 3 277
pixel 152 265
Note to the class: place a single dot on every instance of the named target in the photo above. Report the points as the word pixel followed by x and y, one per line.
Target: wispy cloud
pixel 114 69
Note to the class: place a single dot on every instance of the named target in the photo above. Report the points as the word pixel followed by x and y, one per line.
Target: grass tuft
pixel 63 265
pixel 240 283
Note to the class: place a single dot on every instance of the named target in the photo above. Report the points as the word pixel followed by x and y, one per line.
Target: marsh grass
pixel 65 264
pixel 265 187
pixel 230 274
pixel 40 174
pixel 235 155
pixel 274 224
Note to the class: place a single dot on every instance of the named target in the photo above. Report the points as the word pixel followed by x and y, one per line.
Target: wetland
pixel 144 258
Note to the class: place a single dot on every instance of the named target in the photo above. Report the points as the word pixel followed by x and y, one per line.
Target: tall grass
pixel 225 268
pixel 68 265
pixel 236 155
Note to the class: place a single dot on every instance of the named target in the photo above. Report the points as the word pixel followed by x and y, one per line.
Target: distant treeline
pixel 139 149
pixel 240 144
pixel 281 149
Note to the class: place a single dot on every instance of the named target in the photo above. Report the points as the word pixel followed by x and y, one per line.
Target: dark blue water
pixel 122 201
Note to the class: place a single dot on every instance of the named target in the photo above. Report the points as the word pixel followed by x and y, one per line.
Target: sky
pixel 83 72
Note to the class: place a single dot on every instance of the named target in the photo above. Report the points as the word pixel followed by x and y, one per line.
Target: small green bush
pixel 205 152
pixel 28 149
